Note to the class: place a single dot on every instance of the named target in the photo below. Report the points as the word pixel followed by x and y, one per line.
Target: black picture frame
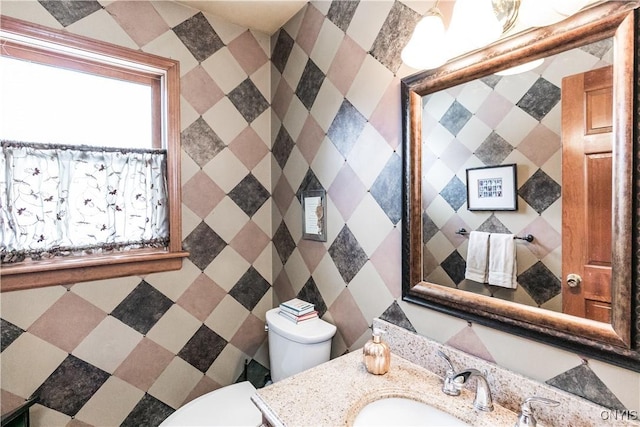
pixel 492 188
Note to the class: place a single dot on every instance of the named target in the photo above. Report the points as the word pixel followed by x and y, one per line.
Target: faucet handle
pixel 449 386
pixel 446 359
pixel 526 418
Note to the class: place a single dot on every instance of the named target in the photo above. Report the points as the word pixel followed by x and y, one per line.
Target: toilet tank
pixel 295 347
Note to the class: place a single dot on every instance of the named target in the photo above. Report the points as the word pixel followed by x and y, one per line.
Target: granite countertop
pixel 333 393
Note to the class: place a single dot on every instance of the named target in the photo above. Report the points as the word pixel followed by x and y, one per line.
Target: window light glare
pixel 71 107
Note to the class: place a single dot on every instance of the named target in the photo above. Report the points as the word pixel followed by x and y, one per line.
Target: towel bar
pixel 528 237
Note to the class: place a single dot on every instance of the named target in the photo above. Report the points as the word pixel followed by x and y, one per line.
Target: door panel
pixel 587 112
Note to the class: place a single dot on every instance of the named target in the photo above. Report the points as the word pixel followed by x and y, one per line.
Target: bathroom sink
pixel 399 411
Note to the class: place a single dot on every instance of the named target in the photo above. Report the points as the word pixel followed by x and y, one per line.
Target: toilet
pixel 293 348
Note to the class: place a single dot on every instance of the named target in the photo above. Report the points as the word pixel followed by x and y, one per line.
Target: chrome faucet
pixel 526 418
pixel 483 400
pixel 449 386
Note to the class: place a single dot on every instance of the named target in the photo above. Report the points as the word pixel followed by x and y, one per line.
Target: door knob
pixel 574 280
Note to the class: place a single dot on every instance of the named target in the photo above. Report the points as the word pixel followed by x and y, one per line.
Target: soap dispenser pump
pixel 377 354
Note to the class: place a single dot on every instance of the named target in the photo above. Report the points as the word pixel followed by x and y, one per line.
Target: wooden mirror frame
pixel 618 342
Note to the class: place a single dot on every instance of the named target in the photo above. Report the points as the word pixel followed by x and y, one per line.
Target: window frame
pixel 59 48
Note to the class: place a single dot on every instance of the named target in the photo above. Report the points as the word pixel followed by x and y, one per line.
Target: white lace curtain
pixel 63 200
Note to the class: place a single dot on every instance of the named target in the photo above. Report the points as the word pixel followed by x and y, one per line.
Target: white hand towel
pixel 502 260
pixel 477 257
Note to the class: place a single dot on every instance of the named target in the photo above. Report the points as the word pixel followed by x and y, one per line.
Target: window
pixel 57 99
pixel 123 102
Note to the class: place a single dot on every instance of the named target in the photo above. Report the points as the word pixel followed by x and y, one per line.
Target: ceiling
pixel 266 16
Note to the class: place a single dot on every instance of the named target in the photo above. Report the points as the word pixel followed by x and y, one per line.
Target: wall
pixel 340 130
pixel 129 351
pixel 136 348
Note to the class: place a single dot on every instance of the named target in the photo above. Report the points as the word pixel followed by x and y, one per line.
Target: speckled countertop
pixel 333 393
pixel 509 389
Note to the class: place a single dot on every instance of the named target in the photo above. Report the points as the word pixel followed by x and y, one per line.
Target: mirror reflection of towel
pixel 502 260
pixel 477 257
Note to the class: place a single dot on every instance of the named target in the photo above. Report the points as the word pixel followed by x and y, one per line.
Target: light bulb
pixel 569 7
pixel 473 25
pixel 539 13
pixel 426 49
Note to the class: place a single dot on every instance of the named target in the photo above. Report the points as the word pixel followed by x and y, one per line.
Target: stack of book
pixel 297 310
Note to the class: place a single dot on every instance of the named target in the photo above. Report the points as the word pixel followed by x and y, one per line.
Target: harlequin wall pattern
pixel 262 118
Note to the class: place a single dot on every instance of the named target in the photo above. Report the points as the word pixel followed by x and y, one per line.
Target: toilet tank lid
pixel 307 332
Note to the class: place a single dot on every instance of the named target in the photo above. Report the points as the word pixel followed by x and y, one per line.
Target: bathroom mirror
pixel 612 337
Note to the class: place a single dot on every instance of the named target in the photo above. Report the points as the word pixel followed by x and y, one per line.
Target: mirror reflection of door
pixel 587 110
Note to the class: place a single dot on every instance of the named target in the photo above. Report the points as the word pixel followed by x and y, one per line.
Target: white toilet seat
pixel 226 406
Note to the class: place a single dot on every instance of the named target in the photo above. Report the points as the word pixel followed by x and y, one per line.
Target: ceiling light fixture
pixel 477 23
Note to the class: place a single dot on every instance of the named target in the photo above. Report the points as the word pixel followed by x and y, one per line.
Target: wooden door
pixel 587 112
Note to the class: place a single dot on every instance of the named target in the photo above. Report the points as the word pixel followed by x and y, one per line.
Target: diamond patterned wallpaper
pixel 326 105
pixel 130 351
pixel 497 108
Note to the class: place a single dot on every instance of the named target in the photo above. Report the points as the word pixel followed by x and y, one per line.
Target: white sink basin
pixel 398 411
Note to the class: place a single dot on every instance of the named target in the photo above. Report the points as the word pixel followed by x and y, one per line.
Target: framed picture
pixel 314 215
pixel 492 188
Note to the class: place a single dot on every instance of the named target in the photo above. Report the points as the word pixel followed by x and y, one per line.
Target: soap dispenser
pixel 377 354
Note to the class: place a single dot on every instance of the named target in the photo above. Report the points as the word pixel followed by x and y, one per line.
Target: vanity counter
pixel 333 393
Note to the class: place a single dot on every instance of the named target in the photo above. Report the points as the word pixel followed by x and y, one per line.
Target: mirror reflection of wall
pixel 492 121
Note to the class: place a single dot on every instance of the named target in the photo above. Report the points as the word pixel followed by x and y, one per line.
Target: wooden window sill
pixel 60 271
